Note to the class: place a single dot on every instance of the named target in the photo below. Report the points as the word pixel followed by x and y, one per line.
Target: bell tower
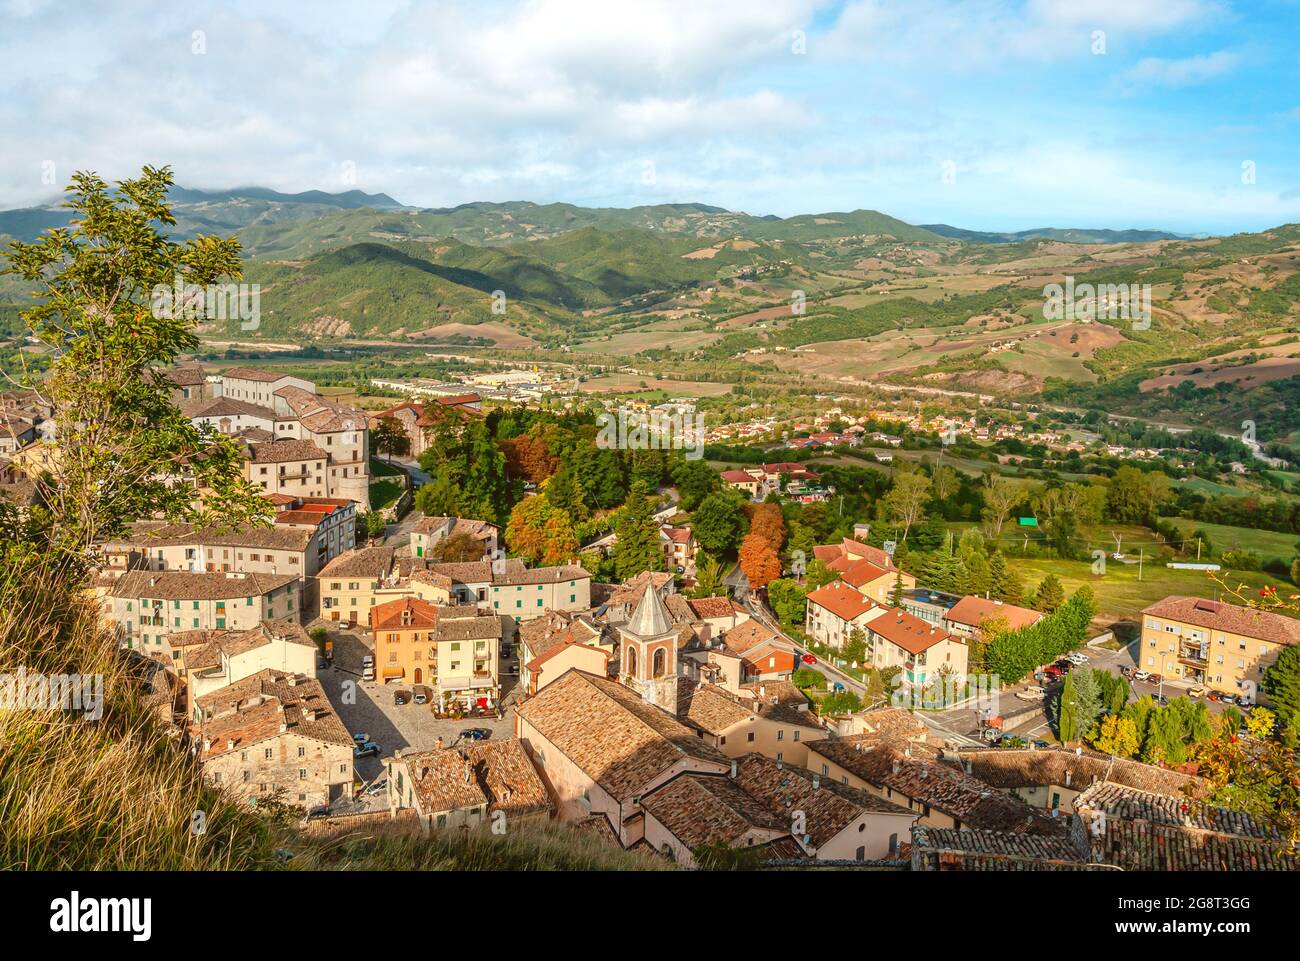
pixel 648 649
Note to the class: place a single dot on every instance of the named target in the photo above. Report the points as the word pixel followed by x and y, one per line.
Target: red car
pixel 809 659
pixel 1053 672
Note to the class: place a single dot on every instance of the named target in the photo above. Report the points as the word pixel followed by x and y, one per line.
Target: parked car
pixel 513 669
pixel 379 787
pixel 401 697
pixel 809 659
pixel 1154 679
pixel 1214 696
pixel 1052 672
pixel 369 749
pixel 1195 692
pixel 1126 670
pixel 1040 743
pixel 421 694
pixel 1077 657
pixel 1228 698
pixel 1012 741
pixel 475 734
pixel 1031 694
pixel 361 738
pixel 1161 699
pixel 1141 675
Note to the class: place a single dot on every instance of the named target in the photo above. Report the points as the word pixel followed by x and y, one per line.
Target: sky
pixel 1181 115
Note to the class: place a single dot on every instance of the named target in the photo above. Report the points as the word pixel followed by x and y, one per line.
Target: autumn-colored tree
pixel 1116 735
pixel 528 456
pixel 769 523
pixel 759 560
pixel 458 547
pixel 540 533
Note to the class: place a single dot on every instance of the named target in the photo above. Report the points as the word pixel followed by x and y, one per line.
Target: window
pixel 269 753
pixel 780 735
pixel 302 752
pixel 749 736
pixel 302 774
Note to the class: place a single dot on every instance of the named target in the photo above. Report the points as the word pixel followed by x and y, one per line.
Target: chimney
pixel 230 744
pixel 467 772
pixel 207 744
pixel 284 726
pixel 897 767
pixel 733 767
pixel 817 782
pixel 925 771
pixel 1067 777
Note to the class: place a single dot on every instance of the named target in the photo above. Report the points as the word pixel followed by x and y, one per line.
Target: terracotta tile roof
pixel 876 555
pixel 743 638
pixel 973 610
pixel 924 778
pixel 779 691
pixel 908 631
pixel 468 624
pixel 496 773
pixel 455 525
pixel 710 708
pixel 894 723
pixel 540 575
pixel 1004 768
pixel 183 586
pixel 225 407
pixel 374 563
pixel 864 572
pixel 1151 832
pixel 678 535
pixel 631 590
pixel 285 451
pixel 842 601
pixel 186 375
pixel 408 613
pixel 977 850
pixel 1232 618
pixel 704 809
pixel 828 807
pixel 234 643
pixel 149 534
pixel 615 738
pixel 254 709
pixel 706 607
pixel 679 609
pixel 465 572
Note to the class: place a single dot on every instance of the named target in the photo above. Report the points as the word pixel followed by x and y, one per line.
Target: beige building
pixel 524 593
pixel 1222 646
pixel 489 784
pixel 274 733
pixel 966 617
pixel 292 467
pixel 835 611
pixel 429 531
pixel 923 651
pixel 148 607
pixel 279 549
pixel 211 660
pixel 744 722
pixel 455 650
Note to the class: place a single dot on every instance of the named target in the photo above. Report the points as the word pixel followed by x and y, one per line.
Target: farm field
pixel 630 383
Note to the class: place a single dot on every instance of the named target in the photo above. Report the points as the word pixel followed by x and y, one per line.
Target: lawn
pixel 1269 545
pixel 1120 595
pixel 381 468
pixel 384 494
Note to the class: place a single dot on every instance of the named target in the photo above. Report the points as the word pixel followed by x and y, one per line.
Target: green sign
pixel 1028 521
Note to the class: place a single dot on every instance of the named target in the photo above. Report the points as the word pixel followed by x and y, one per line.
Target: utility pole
pixel 1198 549
pixel 1141 555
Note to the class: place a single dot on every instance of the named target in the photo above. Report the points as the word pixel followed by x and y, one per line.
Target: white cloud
pixel 1158 72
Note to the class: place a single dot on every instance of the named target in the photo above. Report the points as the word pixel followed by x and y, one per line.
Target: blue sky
pixel 993 114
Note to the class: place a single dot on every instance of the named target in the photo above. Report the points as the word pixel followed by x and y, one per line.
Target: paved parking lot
pixel 366 707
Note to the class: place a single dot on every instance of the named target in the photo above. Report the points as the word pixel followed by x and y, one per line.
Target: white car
pixel 1078 657
pixel 1141 675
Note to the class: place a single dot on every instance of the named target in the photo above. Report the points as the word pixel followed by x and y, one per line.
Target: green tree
pixel 637 548
pixel 719 522
pixel 106 314
pixel 390 437
pixel 1281 682
pixel 1117 735
pixel 789 601
pixel 839 704
pixel 694 480
pixel 1050 594
pixel 1005 582
pixel 708 576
